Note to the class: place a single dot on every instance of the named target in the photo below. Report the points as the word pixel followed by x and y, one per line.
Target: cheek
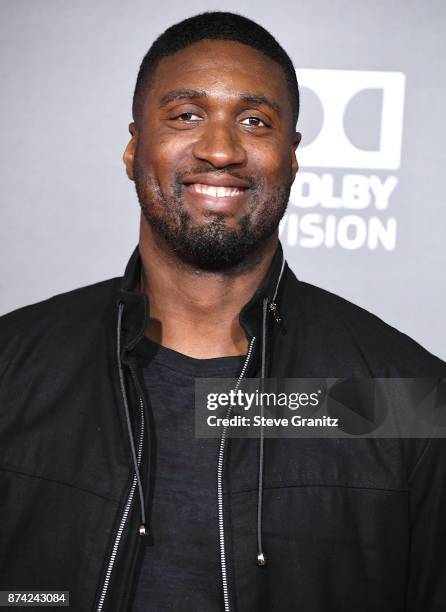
pixel 161 158
pixel 150 156
pixel 273 164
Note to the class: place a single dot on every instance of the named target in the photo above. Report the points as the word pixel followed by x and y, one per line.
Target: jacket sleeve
pixel 426 590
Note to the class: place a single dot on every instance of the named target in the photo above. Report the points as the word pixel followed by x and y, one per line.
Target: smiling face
pixel 213 152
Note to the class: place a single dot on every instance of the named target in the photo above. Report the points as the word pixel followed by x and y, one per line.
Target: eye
pixel 186 117
pixel 254 122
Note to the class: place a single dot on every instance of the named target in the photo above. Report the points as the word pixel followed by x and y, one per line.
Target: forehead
pixel 220 66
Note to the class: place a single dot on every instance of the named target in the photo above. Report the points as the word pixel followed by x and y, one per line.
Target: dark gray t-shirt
pixel 181 566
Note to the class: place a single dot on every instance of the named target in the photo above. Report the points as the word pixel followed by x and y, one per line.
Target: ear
pixel 294 144
pixel 129 153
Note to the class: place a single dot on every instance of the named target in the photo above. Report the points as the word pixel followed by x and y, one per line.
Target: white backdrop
pixel 367 214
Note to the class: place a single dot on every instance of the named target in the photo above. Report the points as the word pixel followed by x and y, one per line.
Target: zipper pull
pixel 276 314
pixel 273 308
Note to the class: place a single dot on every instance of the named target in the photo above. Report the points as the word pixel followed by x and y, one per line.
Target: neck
pixel 196 312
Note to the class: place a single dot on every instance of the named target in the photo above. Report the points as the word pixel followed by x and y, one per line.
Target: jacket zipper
pixel 224 573
pixel 221 455
pixel 124 514
pixel 273 304
pixel 273 308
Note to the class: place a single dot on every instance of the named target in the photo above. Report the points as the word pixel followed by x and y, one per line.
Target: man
pixel 105 490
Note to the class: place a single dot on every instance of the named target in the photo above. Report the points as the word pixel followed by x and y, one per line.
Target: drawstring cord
pixel 261 559
pixel 142 526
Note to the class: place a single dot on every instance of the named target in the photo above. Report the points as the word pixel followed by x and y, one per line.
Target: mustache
pixel 181 175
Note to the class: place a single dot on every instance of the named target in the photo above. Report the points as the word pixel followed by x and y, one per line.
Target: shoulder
pixel 71 305
pixel 354 335
pixel 62 320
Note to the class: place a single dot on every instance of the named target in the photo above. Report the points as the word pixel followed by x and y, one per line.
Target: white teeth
pixel 216 192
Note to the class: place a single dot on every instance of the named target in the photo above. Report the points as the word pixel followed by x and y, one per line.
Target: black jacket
pixel 348 525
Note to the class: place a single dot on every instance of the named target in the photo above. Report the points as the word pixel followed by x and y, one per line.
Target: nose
pixel 219 144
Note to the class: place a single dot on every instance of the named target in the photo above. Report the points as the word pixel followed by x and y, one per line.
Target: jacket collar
pixel 136 304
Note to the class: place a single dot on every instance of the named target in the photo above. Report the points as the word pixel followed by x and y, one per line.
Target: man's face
pixel 213 153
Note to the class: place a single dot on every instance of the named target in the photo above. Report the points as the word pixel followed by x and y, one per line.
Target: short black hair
pixel 216 25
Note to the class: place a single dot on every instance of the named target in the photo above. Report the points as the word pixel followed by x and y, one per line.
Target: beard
pixel 211 246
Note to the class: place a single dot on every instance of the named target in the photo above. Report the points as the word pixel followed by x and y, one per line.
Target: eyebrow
pixel 200 94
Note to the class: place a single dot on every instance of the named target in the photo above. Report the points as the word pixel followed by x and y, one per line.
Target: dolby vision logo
pixel 352 128
pixel 338 91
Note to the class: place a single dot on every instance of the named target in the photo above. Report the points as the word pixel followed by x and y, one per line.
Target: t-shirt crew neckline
pixel 214 366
